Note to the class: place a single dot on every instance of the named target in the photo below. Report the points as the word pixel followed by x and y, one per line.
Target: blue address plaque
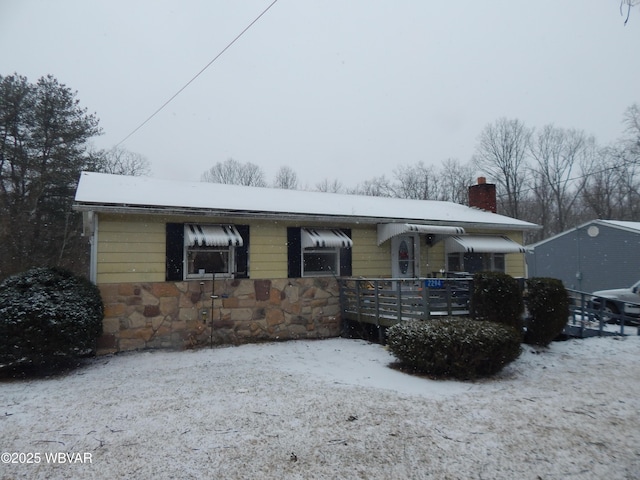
pixel 434 283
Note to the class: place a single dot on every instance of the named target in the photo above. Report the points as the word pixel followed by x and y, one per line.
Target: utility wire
pixel 198 74
pixel 624 163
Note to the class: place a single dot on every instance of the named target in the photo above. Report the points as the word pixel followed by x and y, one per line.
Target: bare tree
pixel 627 5
pixel 120 161
pixel 376 187
pixel 537 206
pixel 417 182
pixel 326 185
pixel 286 178
pixel 560 160
pixel 631 138
pixel 455 181
pixel 611 191
pixel 502 154
pixel 613 187
pixel 235 173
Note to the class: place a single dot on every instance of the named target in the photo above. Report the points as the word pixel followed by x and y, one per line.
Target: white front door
pixel 404 256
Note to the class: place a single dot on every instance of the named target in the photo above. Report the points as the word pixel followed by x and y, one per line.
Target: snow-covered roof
pixel 622 224
pixel 104 192
pixel 632 227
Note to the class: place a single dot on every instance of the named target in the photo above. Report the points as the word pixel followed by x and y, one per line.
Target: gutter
pixel 260 215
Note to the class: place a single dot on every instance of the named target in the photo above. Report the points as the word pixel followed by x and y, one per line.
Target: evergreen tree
pixel 43 137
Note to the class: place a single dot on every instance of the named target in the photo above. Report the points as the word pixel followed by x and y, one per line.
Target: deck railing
pixel 383 302
pixel 587 319
pixel 386 301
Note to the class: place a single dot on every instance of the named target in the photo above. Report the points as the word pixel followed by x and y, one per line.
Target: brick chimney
pixel 483 195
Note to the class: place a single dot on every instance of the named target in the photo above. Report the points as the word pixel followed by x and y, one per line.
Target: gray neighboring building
pixel 597 255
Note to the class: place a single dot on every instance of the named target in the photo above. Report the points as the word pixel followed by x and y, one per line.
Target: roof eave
pixel 262 215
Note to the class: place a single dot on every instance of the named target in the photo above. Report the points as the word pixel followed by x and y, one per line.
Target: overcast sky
pixel 332 88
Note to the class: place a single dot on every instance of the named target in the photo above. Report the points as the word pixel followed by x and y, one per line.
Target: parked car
pixel 618 302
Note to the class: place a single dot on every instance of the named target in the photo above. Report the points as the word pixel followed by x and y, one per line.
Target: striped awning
pixel 212 236
pixel 483 244
pixel 314 238
pixel 388 230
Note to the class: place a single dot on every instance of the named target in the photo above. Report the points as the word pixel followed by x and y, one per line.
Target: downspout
pixel 90 229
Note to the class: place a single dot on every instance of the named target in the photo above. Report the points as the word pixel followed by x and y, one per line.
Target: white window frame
pixel 228 249
pixel 321 250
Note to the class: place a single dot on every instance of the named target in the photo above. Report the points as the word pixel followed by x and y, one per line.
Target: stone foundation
pixel 180 314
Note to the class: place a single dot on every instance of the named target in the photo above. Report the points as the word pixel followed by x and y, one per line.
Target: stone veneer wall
pixel 178 314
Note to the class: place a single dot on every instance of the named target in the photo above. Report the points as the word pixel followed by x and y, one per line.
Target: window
pixel 320 261
pixel 207 260
pixel 475 262
pixel 197 250
pixel 318 252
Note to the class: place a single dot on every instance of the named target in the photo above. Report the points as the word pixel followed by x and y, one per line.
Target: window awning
pixel 483 244
pixel 313 238
pixel 212 236
pixel 388 230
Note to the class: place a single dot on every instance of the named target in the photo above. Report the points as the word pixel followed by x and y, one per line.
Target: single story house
pixel 187 263
pixel 597 255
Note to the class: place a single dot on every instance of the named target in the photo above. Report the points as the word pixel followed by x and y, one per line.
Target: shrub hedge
pixel 47 315
pixel 548 305
pixel 497 297
pixel 454 347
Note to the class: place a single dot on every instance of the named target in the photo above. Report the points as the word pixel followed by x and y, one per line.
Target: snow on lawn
pixel 329 409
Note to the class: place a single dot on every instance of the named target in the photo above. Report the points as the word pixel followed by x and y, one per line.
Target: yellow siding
pixel 130 249
pixel 268 250
pixel 432 259
pixel 369 259
pixel 515 263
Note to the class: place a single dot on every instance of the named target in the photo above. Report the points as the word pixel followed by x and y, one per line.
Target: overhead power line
pixel 624 163
pixel 198 74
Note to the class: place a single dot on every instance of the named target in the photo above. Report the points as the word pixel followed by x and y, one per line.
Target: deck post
pixel 426 308
pixel 399 300
pixel 358 300
pixel 376 302
pixel 377 307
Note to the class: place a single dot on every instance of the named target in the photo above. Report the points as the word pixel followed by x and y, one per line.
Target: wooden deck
pixel 385 302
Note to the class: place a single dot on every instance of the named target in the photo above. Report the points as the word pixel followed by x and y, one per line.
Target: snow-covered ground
pixel 328 409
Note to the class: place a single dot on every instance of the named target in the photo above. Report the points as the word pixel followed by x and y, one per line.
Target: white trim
pixel 482 244
pixel 389 230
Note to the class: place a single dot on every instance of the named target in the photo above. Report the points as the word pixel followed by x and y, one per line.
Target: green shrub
pixel 48 315
pixel 458 348
pixel 548 305
pixel 497 297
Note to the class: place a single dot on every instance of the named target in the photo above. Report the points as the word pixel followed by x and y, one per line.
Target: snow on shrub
pixel 48 314
pixel 497 297
pixel 454 347
pixel 548 305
